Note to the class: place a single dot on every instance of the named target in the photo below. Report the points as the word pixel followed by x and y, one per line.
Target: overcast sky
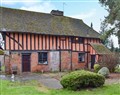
pixel 87 10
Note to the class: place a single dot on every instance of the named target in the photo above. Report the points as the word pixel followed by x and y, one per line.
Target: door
pixel 54 61
pixel 26 63
pixel 92 61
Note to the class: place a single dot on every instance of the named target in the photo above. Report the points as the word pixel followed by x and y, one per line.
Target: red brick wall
pixel 16 58
pixel 35 67
pixel 65 60
pixel 13 60
pixel 75 62
pixel 7 65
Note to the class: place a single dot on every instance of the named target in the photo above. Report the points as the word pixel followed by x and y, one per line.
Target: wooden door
pixel 26 63
pixel 92 61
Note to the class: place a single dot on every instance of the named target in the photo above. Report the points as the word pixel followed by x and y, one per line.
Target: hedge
pixel 77 80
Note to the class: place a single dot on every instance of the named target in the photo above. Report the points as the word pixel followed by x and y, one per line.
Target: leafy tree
pixel 104 36
pixel 117 49
pixel 113 19
pixel 112 45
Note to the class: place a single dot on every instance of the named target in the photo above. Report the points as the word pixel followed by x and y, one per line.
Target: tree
pixel 111 45
pixel 113 18
pixel 104 36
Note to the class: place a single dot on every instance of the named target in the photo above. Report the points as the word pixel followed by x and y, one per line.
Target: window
pixel 81 57
pixel 77 40
pixel 42 58
pixel 81 40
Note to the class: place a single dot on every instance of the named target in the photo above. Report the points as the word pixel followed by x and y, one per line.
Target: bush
pixel 104 71
pixel 96 68
pixel 117 68
pixel 82 79
pixel 109 60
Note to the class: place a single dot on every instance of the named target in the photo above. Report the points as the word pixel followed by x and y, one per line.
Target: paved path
pixel 51 83
pixel 47 81
pixel 114 78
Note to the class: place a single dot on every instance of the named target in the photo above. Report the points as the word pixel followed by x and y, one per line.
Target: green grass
pixel 34 88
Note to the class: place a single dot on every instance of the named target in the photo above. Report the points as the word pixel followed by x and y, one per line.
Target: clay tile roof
pixel 100 48
pixel 43 23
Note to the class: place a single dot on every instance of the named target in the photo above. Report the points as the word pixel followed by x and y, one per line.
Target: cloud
pixel 6 2
pixel 39 7
pixel 31 5
pixel 22 2
pixel 86 15
pixel 115 40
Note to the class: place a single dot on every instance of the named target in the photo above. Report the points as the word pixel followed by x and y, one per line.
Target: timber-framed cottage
pixel 47 42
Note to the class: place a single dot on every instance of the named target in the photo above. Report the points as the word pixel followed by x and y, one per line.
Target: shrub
pixel 117 68
pixel 104 71
pixel 82 79
pixel 109 60
pixel 96 68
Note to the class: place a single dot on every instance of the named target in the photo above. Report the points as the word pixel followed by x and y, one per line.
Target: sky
pixel 87 10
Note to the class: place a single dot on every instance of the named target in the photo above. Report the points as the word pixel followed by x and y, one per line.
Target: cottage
pixel 47 42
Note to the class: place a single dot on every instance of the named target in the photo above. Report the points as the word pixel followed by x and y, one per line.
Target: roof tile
pixel 34 22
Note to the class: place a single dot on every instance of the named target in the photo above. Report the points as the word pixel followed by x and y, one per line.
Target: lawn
pixel 34 88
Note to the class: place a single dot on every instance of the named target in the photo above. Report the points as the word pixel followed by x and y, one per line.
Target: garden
pixel 103 80
pixel 34 88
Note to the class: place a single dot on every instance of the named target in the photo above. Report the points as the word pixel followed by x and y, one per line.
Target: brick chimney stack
pixel 56 13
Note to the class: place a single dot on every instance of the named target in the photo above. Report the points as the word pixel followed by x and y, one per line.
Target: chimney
pixel 56 13
pixel 91 25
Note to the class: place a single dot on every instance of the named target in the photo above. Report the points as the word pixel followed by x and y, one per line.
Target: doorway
pixel 92 61
pixel 26 63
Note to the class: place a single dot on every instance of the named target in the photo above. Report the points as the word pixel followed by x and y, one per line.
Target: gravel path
pixel 114 78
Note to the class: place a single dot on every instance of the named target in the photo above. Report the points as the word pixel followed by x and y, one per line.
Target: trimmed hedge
pixel 82 79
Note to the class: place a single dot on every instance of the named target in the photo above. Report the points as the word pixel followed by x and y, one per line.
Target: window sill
pixel 42 64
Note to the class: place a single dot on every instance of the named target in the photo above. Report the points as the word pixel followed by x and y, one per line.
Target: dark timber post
pixel 60 58
pixel 87 54
pixel 71 60
pixel 71 54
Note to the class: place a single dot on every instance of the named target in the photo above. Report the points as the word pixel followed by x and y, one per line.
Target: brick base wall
pixel 35 67
pixel 16 59
pixel 65 60
pixel 75 63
